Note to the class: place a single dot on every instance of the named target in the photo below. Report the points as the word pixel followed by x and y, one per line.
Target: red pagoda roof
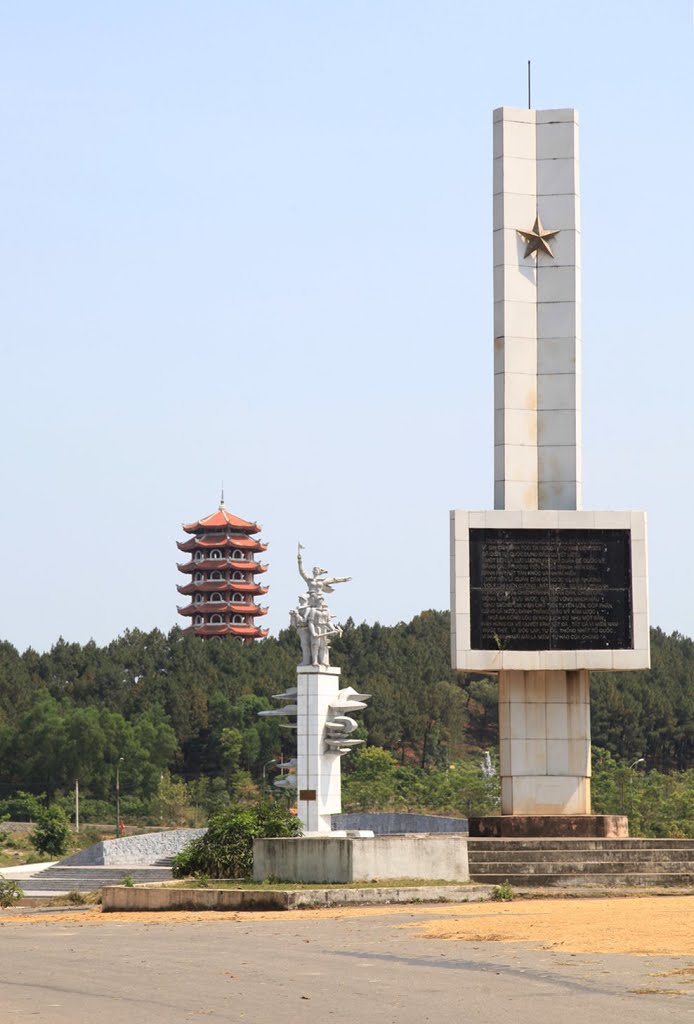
pixel 226 628
pixel 212 586
pixel 219 519
pixel 228 607
pixel 222 540
pixel 208 564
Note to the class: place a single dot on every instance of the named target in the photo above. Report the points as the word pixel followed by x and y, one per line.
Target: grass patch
pixel 271 885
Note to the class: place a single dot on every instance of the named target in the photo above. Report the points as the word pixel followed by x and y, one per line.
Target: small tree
pixel 226 849
pixel 52 832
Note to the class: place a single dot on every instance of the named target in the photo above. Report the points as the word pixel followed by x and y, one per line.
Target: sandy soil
pixel 647 925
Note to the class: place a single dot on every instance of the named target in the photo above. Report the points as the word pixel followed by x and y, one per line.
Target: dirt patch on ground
pixel 648 926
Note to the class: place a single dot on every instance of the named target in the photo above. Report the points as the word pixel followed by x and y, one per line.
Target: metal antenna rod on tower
pixel 529 103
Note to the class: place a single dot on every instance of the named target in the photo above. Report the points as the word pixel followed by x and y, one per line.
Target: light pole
pixel 639 760
pixel 267 765
pixel 118 764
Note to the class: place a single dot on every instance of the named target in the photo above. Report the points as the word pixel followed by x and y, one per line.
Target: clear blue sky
pixel 251 242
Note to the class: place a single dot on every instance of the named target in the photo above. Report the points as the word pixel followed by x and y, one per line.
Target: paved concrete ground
pixel 320 968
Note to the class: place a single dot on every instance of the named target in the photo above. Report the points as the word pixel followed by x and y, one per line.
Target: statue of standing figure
pixel 312 619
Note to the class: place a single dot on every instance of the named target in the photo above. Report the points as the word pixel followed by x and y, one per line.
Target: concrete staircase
pixel 577 862
pixel 58 880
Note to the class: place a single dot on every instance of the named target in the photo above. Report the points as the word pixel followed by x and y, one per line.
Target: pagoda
pixel 222 571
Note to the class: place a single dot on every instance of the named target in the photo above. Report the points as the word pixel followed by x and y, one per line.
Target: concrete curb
pixel 145 898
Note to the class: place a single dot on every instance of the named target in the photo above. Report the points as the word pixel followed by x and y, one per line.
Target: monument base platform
pixel 546 826
pixel 437 857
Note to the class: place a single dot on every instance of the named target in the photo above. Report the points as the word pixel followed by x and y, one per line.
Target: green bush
pixel 226 849
pixel 502 893
pixel 10 893
pixel 22 806
pixel 52 832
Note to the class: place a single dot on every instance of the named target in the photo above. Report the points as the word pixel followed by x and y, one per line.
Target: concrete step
pixel 581 844
pixel 568 856
pixel 683 879
pixel 577 866
pixel 88 879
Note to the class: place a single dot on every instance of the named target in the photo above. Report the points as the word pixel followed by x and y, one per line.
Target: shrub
pixel 10 893
pixel 226 849
pixel 503 893
pixel 52 832
pixel 22 806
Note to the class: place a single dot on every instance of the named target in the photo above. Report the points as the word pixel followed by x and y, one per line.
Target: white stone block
pixel 557 427
pixel 571 520
pixel 519 390
pixel 515 320
pixel 461 519
pixel 514 283
pixel 477 520
pixel 556 391
pixel 554 660
pixel 595 661
pixel 559 212
pixel 557 284
pixel 558 319
pixel 516 139
pixel 566 250
pixel 638 559
pixel 462 630
pixel 638 526
pixel 520 462
pixel 557 462
pixel 520 495
pixel 557 355
pixel 628 661
pixel 612 520
pixel 568 757
pixel 520 427
pixel 528 757
pixel 555 116
pixel 513 174
pixel 557 140
pixel 519 355
pixel 557 177
pixel 522 114
pixel 502 520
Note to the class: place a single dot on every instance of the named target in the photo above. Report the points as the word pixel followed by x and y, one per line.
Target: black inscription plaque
pixel 539 590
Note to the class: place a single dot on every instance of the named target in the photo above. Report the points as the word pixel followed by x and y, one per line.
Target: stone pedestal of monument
pixel 318 783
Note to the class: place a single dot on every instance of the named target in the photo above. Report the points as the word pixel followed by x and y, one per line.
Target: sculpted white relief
pixel 311 618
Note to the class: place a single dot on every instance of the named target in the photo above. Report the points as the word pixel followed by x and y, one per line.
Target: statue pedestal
pixel 318 770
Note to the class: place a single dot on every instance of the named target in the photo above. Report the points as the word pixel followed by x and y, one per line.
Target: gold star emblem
pixel 538 239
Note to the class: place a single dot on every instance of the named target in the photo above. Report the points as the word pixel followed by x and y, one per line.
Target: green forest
pixel 181 713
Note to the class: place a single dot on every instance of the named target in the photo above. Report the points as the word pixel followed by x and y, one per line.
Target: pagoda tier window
pixel 198 577
pixel 199 556
pixel 216 575
pixel 216 620
pixel 237 555
pixel 237 619
pixel 237 575
pixel 237 598
pixel 215 553
pixel 199 620
pixel 198 599
pixel 216 598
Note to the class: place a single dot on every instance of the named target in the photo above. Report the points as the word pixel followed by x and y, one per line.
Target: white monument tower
pixel 541 591
pixel 320 709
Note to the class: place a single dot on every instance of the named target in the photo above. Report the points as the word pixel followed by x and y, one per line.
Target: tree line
pixel 182 711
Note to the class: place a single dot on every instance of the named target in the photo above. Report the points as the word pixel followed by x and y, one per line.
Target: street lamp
pixel 639 760
pixel 267 765
pixel 118 764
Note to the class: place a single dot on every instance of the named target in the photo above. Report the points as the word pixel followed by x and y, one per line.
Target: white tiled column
pixel 537 323
pixel 544 749
pixel 559 313
pixel 515 312
pixel 318 772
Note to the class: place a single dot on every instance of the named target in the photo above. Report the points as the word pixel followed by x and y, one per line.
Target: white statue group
pixel 311 618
